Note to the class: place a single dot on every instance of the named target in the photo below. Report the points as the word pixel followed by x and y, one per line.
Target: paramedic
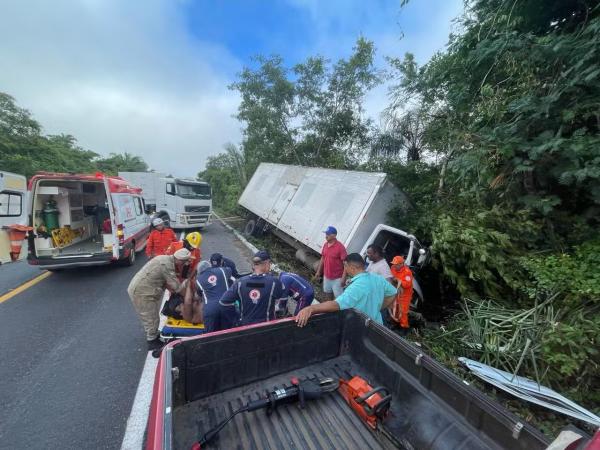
pixel 147 287
pixel 159 239
pixel 331 265
pixel 192 242
pixel 211 284
pixel 403 278
pixel 297 288
pixel 378 264
pixel 218 260
pixel 368 293
pixel 256 293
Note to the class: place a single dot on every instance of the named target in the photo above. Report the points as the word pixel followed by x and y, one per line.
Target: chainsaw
pixel 300 391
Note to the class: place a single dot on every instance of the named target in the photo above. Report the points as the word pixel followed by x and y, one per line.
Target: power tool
pixel 299 391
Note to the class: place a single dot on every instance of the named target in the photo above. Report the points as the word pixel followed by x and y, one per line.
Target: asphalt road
pixel 72 351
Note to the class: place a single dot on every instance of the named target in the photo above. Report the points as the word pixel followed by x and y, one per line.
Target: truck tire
pixel 251 227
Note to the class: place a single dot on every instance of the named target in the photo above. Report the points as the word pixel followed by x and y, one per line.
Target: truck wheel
pixel 250 228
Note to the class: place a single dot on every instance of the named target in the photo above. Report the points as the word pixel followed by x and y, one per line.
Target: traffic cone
pixel 16 233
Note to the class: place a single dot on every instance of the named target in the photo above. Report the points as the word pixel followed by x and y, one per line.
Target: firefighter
pixel 147 288
pixel 159 239
pixel 192 242
pixel 256 293
pixel 403 278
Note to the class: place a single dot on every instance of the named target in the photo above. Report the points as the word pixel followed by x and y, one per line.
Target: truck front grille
pixel 197 209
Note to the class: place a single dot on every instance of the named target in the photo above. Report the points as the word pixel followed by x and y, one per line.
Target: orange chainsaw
pixel 371 404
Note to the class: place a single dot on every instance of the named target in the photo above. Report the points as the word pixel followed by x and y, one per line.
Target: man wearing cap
pixel 211 284
pixel 218 260
pixel 256 293
pixel 368 293
pixel 147 287
pixel 331 265
pixel 403 278
pixel 159 239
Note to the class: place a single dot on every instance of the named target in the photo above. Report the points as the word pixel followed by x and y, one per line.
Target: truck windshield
pixel 193 190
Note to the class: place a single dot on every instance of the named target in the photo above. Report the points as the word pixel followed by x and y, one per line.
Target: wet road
pixel 72 351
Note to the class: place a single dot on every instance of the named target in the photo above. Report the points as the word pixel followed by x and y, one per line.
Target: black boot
pixel 155 344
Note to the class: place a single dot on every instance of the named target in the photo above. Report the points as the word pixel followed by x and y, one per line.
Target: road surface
pixel 72 352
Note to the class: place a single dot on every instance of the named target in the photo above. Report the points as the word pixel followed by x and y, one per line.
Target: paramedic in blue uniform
pixel 211 284
pixel 218 260
pixel 297 288
pixel 256 293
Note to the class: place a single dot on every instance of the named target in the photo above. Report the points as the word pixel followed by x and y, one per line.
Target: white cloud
pixel 120 76
pixel 422 27
pixel 128 75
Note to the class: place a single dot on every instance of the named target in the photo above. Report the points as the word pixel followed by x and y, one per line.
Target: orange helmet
pixel 398 260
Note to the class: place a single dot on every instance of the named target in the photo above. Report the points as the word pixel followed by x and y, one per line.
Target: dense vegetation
pixel 25 150
pixel 496 141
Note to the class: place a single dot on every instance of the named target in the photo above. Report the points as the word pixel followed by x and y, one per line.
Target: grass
pixel 444 343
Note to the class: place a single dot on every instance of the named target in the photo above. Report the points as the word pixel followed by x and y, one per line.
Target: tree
pixel 25 150
pixel 310 114
pixel 125 162
pixel 404 135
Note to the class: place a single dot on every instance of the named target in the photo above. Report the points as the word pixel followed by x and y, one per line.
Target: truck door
pixel 282 202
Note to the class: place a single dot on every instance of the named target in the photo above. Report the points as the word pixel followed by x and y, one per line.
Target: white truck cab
pixel 183 202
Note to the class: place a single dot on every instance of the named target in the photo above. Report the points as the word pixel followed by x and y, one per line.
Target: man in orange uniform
pixel 160 238
pixel 404 282
pixel 192 242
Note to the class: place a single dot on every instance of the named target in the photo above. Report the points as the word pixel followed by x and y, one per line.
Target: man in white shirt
pixel 378 264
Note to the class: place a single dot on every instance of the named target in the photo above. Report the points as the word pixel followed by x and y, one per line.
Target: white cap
pixel 183 254
pixel 158 221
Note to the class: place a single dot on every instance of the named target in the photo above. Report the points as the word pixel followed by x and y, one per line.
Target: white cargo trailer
pixel 183 202
pixel 297 203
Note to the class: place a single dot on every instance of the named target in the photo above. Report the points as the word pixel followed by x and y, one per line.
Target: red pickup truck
pixel 200 381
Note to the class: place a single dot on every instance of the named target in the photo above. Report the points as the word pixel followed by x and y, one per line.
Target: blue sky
pixel 150 76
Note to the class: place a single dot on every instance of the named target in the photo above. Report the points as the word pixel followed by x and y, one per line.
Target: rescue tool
pixel 371 404
pixel 299 391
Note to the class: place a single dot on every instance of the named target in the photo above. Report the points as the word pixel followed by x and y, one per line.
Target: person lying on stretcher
pixel 187 307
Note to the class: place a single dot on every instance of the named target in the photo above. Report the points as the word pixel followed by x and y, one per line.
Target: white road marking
pixel 136 424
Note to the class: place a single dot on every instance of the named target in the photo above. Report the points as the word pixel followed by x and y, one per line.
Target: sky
pixel 151 77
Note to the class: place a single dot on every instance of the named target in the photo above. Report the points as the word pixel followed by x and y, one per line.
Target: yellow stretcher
pixel 178 328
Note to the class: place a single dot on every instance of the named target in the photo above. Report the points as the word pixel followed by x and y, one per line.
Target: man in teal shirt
pixel 368 293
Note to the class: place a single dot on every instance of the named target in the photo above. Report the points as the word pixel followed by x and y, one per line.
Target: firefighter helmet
pixel 194 239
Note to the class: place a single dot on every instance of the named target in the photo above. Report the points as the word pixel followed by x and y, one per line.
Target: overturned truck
pixel 297 203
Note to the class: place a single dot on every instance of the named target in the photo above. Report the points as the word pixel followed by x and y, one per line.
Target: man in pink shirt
pixel 331 265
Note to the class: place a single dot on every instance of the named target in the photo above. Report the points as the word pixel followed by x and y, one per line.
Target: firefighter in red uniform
pixel 159 239
pixel 192 242
pixel 404 281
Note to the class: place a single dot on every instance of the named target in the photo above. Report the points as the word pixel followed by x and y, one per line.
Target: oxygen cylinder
pixel 50 214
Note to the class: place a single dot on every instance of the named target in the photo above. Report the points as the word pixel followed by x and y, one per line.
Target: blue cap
pixel 261 255
pixel 330 230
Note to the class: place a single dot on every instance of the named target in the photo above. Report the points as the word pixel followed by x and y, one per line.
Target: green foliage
pixel 125 162
pixel 477 250
pixel 310 114
pixel 576 276
pixel 24 150
pixel 227 176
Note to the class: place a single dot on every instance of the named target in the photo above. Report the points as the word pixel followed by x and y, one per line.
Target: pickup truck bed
pixel 201 380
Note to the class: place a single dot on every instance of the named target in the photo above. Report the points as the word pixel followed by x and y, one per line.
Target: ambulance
pixel 84 220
